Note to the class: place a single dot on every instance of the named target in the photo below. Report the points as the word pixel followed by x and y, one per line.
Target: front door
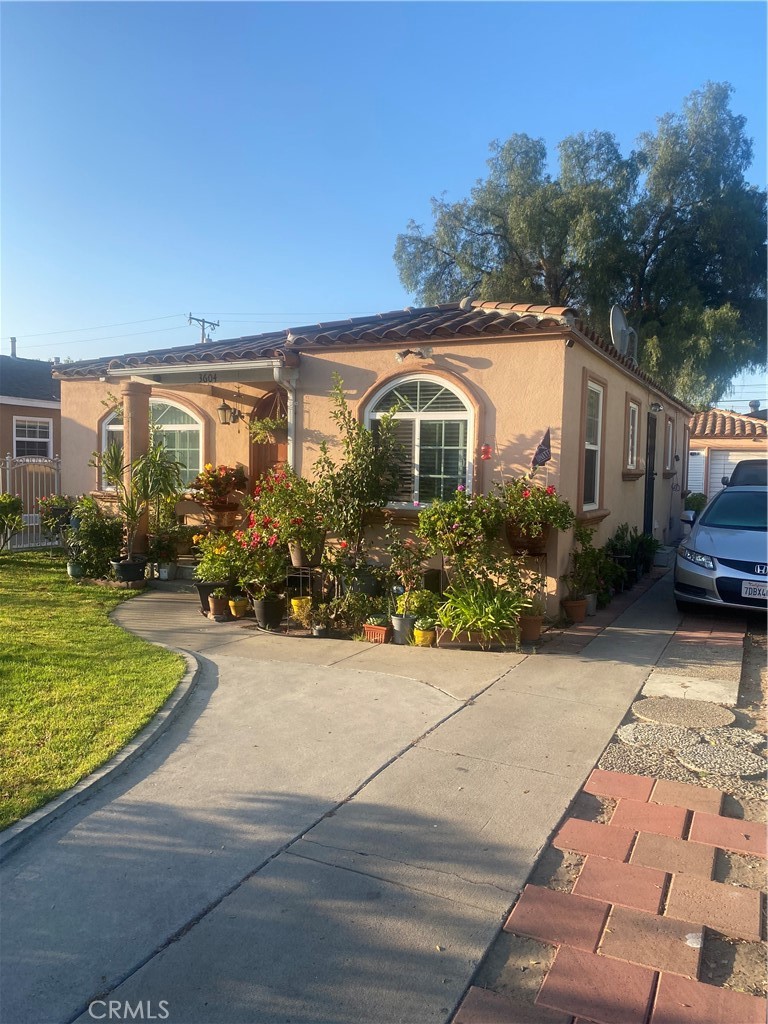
pixel 266 456
pixel 650 475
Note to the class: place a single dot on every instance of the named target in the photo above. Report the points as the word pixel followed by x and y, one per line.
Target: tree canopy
pixel 673 233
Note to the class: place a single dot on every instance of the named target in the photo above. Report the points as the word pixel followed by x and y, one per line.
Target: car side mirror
pixel 725 480
pixel 689 517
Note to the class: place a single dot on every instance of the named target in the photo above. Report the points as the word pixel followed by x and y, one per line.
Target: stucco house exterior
pixel 466 374
pixel 720 439
pixel 30 408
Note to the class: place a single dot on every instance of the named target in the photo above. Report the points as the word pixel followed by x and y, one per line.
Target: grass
pixel 74 688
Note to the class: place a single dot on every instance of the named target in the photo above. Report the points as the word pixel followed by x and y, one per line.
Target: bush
pixel 11 520
pixel 696 502
pixel 96 540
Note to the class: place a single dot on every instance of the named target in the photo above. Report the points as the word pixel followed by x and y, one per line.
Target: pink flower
pixel 486 452
pixel 461 487
pixel 550 489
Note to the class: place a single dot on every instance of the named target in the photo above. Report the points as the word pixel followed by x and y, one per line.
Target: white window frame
pixel 669 445
pixel 33 419
pixel 109 428
pixel 632 431
pixel 468 416
pixel 588 506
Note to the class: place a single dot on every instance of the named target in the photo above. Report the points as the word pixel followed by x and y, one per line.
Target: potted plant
pixel 218 604
pixel 461 529
pixel 407 556
pixel 424 632
pixel 238 605
pixel 220 557
pixel 377 630
pixel 55 512
pixel 218 490
pixel 261 570
pixel 530 511
pixel 320 620
pixel 163 551
pixel 135 486
pixel 532 619
pixel 366 476
pixel 479 611
pixel 297 509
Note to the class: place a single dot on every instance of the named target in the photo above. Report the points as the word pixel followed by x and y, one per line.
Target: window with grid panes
pixel 179 431
pixel 433 425
pixel 32 437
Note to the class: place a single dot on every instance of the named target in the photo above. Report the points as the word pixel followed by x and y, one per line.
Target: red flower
pixel 486 452
pixel 343 545
pixel 550 489
pixel 526 494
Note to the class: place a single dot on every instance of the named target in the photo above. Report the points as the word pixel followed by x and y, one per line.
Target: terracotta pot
pixel 301 559
pixel 219 607
pixel 377 634
pixel 224 517
pixel 530 628
pixel 575 608
pixel 203 592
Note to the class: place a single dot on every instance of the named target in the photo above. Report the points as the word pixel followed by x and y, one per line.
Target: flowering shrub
pixel 295 506
pixel 459 527
pixel 407 556
pixel 262 560
pixel 530 507
pixel 220 560
pixel 214 485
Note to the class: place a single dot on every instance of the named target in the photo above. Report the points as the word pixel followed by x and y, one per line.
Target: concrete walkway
pixel 327 832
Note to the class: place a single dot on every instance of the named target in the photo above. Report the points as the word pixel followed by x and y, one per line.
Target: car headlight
pixel 705 561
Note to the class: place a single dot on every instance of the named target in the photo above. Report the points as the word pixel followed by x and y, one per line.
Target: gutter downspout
pixel 287 378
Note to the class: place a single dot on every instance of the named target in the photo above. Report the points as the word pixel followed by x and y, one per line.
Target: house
pixel 465 374
pixel 30 435
pixel 719 440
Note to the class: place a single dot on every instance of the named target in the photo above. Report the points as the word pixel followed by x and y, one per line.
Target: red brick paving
pixel 618 784
pixel 561 918
pixel 652 941
pixel 726 908
pixel 627 885
pixel 481 1006
pixel 664 821
pixel 729 833
pixel 682 1001
pixel 673 855
pixel 597 987
pixel 591 837
pixel 682 794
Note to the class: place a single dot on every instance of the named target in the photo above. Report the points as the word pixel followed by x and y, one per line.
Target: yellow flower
pixel 209 465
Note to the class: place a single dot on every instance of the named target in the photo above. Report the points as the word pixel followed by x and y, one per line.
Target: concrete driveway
pixel 327 832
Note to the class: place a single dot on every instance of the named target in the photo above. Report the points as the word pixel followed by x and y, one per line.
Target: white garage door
pixel 722 464
pixel 696 472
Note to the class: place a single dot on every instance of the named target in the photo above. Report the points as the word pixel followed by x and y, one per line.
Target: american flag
pixel 543 452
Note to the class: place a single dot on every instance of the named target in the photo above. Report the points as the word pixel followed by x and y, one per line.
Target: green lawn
pixel 73 687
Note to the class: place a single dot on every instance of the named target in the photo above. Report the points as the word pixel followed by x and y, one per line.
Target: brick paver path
pixel 629 936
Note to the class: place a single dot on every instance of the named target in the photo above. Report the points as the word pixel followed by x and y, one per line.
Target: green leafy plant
pixel 220 592
pixel 377 620
pixel 407 558
pixel 11 518
pixel 582 576
pixel 529 508
pixel 696 502
pixel 221 558
pixel 55 511
pixel 297 507
pixel 263 430
pixel 426 625
pixel 421 603
pixel 478 606
pixel 461 528
pixel 366 476
pixel 93 542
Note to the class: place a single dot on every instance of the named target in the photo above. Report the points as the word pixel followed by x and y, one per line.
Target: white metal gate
pixel 31 477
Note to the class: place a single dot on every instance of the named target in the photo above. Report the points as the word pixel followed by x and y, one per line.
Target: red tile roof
pixel 717 423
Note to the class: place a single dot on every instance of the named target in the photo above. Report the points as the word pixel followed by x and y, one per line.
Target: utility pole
pixel 213 324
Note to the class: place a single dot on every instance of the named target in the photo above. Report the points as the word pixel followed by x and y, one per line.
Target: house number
pixel 207 378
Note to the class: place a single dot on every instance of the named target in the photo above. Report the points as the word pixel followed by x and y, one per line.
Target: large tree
pixel 673 233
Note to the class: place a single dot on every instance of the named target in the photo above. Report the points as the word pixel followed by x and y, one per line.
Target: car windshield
pixel 737 510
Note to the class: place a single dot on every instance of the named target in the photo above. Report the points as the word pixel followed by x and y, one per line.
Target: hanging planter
pixel 521 542
pixel 303 559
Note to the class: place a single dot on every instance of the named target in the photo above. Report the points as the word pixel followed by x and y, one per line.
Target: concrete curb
pixel 16 835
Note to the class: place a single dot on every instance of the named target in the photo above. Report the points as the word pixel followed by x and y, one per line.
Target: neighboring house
pixel 30 437
pixel 465 374
pixel 30 408
pixel 719 440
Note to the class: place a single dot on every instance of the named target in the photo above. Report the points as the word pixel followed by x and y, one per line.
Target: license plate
pixel 754 589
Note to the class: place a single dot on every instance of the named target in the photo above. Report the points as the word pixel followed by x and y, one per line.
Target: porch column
pixel 135 436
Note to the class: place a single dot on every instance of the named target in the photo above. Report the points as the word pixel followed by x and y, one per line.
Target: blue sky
pixel 254 162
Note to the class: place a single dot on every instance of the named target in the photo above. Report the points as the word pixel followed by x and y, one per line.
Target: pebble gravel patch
pixel 733 736
pixel 667 737
pixel 691 714
pixel 705 757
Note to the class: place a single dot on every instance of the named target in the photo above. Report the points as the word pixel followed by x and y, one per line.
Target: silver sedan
pixel 724 560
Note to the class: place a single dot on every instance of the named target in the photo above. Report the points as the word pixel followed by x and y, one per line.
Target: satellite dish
pixel 622 335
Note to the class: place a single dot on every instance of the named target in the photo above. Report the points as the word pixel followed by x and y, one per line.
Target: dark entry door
pixel 650 474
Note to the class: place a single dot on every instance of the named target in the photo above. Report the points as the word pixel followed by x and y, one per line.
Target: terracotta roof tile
pixel 718 423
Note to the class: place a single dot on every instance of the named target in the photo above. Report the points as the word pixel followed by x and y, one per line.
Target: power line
pixel 99 327
pixel 110 337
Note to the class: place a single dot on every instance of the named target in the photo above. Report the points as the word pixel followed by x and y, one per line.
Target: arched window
pixel 178 429
pixel 436 430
